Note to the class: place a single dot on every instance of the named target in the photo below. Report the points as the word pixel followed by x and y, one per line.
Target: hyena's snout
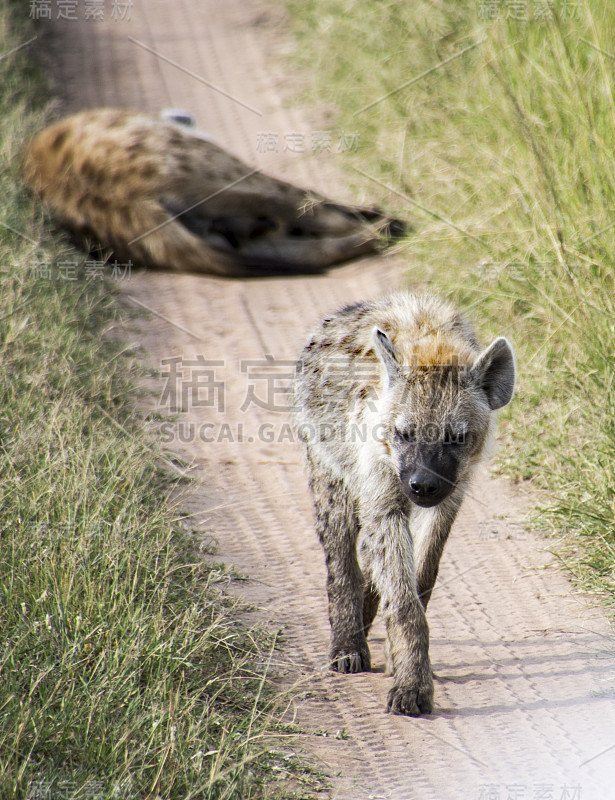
pixel 427 484
pixel 424 488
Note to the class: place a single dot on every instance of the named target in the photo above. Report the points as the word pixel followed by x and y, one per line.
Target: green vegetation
pixel 496 137
pixel 123 673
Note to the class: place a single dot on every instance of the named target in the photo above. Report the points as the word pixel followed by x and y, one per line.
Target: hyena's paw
pixel 350 659
pixel 412 699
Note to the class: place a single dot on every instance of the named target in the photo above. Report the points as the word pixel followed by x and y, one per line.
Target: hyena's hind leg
pixel 371 601
pixel 337 525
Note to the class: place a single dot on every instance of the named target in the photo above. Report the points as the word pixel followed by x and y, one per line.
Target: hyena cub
pixel 393 400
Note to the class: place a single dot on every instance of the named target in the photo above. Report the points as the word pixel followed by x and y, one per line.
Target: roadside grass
pixel 124 673
pixel 496 138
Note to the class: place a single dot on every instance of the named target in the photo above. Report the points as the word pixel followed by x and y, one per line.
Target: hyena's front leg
pixel 338 527
pixel 428 550
pixel 387 544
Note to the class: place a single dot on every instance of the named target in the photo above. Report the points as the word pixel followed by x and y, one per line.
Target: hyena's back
pixel 166 196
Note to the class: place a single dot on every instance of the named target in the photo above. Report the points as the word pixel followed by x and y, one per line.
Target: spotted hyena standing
pixel 394 401
pixel 161 194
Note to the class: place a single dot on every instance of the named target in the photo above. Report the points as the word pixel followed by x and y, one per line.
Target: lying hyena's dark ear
pixel 494 372
pixel 383 347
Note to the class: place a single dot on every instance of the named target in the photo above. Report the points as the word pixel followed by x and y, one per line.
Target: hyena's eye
pixel 406 434
pixel 452 436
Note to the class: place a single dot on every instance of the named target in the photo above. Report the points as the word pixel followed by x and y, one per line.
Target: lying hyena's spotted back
pixel 163 195
pixel 394 400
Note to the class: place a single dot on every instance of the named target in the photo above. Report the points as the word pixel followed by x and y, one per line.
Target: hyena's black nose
pixel 424 485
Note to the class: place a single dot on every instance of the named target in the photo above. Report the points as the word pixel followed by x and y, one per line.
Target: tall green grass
pixel 123 672
pixel 496 137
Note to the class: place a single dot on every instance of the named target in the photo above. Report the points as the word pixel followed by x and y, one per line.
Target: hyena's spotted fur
pixel 394 400
pixel 164 195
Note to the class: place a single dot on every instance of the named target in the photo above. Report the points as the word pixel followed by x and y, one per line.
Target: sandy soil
pixel 525 681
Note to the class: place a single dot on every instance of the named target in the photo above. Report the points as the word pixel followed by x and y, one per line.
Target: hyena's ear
pixel 494 372
pixel 383 347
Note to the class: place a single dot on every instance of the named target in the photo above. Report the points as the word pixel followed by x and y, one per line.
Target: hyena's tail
pixel 308 235
pixel 160 195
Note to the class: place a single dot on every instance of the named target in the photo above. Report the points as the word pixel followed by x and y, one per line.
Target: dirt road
pixel 525 685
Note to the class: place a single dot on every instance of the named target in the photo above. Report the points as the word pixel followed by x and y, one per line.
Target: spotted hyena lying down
pixel 161 194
